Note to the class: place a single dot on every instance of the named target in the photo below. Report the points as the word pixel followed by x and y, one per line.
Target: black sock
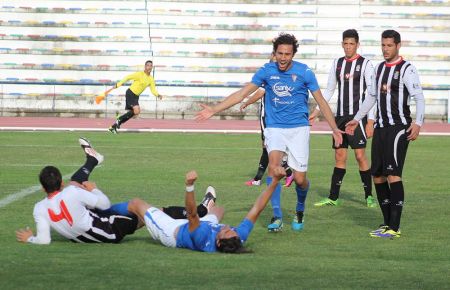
pixel 125 117
pixel 397 199
pixel 367 182
pixel 179 212
pixel 336 181
pixel 383 196
pixel 82 174
pixel 263 162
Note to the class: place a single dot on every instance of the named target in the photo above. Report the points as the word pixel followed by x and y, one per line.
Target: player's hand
pixel 243 106
pixel 278 173
pixel 369 128
pixel 22 235
pixel 313 116
pixel 204 114
pixel 413 131
pixel 337 136
pixel 191 177
pixel 89 185
pixel 350 127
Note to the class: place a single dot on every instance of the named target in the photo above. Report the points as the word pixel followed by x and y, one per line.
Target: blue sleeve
pixel 258 77
pixel 244 229
pixel 311 81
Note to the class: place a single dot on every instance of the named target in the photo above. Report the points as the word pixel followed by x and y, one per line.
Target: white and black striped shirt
pixel 395 84
pixel 353 77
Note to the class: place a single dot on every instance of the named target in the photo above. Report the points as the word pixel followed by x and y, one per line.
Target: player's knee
pixel 137 206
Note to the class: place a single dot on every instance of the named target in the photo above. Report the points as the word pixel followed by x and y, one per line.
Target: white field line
pixel 23 193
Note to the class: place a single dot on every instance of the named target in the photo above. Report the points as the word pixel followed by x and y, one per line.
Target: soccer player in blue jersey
pixel 201 234
pixel 287 84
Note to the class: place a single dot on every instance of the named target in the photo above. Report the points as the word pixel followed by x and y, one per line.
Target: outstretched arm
pixel 262 200
pixel 256 96
pixel 231 100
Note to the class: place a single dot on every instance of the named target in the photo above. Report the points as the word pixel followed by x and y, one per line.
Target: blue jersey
pixel 203 238
pixel 286 99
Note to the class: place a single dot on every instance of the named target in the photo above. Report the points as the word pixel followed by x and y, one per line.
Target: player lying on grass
pixel 201 234
pixel 83 213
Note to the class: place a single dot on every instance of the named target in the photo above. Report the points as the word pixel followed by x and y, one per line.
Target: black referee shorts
pixel 131 100
pixel 359 138
pixel 389 147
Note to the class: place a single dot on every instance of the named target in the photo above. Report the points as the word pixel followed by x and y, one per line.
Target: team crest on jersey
pixel 396 74
pixel 294 78
pixel 358 68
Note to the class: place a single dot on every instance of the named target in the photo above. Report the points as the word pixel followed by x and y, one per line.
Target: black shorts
pixel 389 147
pixel 131 100
pixel 108 228
pixel 359 138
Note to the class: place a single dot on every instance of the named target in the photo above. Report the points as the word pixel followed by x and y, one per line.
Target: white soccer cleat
pixel 87 147
pixel 210 198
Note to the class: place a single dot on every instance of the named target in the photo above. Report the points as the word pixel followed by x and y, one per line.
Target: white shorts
pixel 293 141
pixel 162 227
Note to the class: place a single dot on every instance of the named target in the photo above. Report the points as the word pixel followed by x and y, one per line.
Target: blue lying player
pixel 201 234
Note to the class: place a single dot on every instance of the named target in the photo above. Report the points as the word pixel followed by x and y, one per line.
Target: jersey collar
pixel 395 62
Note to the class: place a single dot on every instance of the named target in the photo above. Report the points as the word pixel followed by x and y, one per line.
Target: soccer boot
pixel 87 148
pixel 370 202
pixel 252 182
pixel 380 229
pixel 113 129
pixel 276 225
pixel 327 201
pixel 297 222
pixel 386 233
pixel 289 180
pixel 209 200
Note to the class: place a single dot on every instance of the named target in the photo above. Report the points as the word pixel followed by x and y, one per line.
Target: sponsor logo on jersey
pixel 358 68
pixel 282 90
pixel 384 88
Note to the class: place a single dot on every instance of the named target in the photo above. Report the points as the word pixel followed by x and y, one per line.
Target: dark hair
pixel 50 179
pixel 392 34
pixel 285 38
pixel 231 245
pixel 350 33
pixel 148 61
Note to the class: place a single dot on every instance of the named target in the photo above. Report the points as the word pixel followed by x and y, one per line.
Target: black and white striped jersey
pixel 395 84
pixel 353 77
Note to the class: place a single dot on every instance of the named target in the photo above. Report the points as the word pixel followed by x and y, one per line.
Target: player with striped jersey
pixel 353 75
pixel 396 82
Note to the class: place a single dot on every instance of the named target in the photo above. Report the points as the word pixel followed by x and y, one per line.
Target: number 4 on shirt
pixel 63 215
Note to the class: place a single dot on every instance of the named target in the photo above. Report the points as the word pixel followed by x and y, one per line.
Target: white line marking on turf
pixel 23 193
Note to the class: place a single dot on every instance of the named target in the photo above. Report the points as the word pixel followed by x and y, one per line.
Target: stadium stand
pixel 72 50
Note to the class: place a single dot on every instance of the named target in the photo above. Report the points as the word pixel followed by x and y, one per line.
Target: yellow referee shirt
pixel 140 81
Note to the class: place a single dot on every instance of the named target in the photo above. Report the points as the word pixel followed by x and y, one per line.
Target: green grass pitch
pixel 334 251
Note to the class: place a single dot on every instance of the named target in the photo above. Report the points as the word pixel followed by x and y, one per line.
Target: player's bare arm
pixel 233 99
pixel 191 207
pixel 328 114
pixel 253 98
pixel 264 198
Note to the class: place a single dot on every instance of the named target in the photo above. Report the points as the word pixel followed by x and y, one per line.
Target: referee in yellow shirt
pixel 141 80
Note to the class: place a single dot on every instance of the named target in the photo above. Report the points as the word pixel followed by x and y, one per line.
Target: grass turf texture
pixel 333 251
